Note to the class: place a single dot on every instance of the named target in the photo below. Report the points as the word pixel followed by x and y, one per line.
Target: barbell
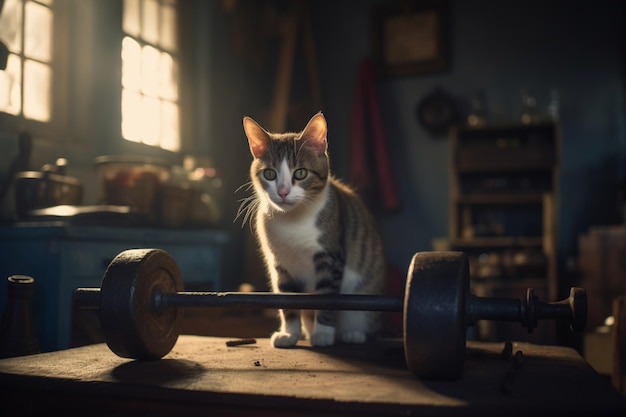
pixel 142 291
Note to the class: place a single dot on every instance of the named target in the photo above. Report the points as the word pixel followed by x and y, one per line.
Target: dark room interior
pixel 495 129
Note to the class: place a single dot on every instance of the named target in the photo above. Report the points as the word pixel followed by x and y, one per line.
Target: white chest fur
pixel 292 240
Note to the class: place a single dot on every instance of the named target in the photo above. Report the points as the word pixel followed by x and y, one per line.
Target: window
pixel 150 98
pixel 25 84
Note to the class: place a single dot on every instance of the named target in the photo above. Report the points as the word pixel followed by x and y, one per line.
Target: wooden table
pixel 203 376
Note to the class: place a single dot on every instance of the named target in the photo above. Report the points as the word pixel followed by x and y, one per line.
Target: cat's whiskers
pixel 247 185
pixel 307 204
pixel 248 206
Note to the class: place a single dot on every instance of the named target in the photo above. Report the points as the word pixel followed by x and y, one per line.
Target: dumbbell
pixel 142 291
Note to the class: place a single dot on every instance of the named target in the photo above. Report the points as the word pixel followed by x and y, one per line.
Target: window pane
pixel 169 77
pixel 150 58
pixel 169 127
pixel 36 91
pixel 131 63
pixel 168 28
pixel 38 31
pixel 10 86
pixel 151 114
pixel 131 17
pixel 150 19
pixel 11 25
pixel 131 115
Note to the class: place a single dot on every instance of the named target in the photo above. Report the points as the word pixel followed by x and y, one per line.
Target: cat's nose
pixel 283 190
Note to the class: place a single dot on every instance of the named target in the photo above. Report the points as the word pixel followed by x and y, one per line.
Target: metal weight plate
pixel 131 325
pixel 578 306
pixel 434 314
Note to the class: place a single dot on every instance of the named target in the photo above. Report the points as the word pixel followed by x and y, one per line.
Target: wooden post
pixel 284 71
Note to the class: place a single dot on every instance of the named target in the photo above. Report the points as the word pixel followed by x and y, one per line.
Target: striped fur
pixel 315 233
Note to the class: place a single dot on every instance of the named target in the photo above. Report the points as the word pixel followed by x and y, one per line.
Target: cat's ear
pixel 258 138
pixel 315 133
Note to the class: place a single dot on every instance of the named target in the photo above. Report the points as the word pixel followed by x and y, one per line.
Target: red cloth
pixel 366 111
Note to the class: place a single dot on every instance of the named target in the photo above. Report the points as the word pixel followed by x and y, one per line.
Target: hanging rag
pixel 366 111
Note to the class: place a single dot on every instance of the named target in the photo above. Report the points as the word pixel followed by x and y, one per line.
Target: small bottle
pixel 17 334
pixel 554 106
pixel 529 108
pixel 476 117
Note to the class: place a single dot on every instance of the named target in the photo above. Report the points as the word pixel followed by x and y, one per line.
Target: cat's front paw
pixel 321 339
pixel 353 336
pixel 284 339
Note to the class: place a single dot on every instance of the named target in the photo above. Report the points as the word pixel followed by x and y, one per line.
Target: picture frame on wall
pixel 410 37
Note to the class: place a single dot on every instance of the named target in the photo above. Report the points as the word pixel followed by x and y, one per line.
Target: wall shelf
pixel 494 199
pixel 496 242
pixel 502 205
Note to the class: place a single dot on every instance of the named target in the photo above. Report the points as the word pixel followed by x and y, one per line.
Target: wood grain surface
pixel 204 376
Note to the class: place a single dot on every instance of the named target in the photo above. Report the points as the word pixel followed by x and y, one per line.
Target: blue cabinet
pixel 62 258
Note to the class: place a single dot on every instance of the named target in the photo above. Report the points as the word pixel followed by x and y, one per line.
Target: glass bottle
pixel 17 334
pixel 529 108
pixel 554 106
pixel 476 117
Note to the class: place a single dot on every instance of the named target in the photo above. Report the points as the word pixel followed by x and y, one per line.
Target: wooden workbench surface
pixel 202 375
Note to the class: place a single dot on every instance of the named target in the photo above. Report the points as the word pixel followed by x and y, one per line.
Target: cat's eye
pixel 269 174
pixel 300 173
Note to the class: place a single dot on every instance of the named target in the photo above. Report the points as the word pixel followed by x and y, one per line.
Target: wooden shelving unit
pixel 503 202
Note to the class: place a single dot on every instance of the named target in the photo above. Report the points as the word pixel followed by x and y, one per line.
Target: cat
pixel 315 233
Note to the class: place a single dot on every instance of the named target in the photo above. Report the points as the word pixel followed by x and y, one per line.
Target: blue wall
pixel 496 47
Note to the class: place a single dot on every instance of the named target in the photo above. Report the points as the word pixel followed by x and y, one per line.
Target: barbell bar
pixel 142 291
pixel 89 298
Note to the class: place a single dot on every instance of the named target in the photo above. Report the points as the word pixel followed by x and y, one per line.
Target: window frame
pixel 55 129
pixel 177 56
pixel 82 91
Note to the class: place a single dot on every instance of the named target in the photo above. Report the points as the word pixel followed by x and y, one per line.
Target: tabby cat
pixel 315 233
